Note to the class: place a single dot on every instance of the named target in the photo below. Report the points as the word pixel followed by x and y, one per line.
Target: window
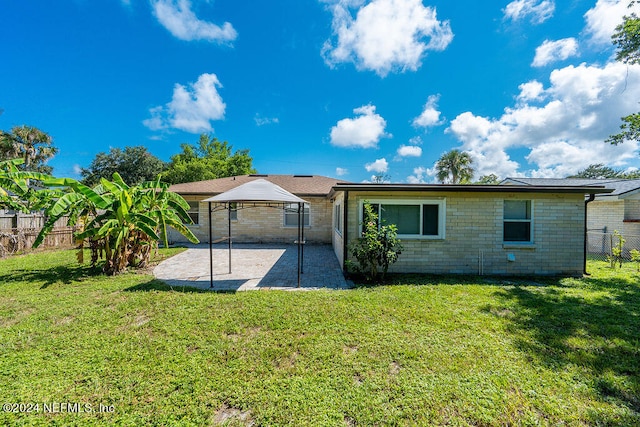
pixel 194 212
pixel 234 211
pixel 414 218
pixel 517 221
pixel 337 217
pixel 291 215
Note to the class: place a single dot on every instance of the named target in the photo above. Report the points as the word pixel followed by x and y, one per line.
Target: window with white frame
pixel 194 211
pixel 518 221
pixel 423 219
pixel 337 217
pixel 291 215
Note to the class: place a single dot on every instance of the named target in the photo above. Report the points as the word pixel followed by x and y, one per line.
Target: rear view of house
pixel 472 229
pixel 617 210
pixel 262 224
pixel 466 229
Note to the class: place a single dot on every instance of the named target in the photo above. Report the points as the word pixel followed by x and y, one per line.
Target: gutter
pixel 584 264
pixel 471 188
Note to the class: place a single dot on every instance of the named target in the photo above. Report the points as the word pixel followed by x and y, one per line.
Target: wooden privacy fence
pixel 18 231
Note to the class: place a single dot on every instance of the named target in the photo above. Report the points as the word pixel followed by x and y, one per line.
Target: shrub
pixel 376 249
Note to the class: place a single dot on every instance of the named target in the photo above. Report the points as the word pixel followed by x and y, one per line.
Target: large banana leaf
pixel 98 200
pixel 119 181
pixel 61 207
pixel 174 221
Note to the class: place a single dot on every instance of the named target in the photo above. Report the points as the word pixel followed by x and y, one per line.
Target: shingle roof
pixel 300 185
pixel 620 187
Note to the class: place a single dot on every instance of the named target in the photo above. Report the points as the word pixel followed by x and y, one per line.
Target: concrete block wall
pixel 262 224
pixel 603 213
pixel 473 241
pixel 632 209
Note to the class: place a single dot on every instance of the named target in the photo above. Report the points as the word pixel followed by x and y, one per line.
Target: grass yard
pixel 425 351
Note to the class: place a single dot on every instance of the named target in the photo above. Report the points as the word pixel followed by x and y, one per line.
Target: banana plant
pixel 121 222
pixel 15 190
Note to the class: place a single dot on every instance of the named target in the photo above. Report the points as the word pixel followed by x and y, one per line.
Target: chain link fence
pixel 599 245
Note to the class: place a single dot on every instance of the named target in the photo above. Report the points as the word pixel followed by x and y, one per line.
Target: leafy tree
pixel 455 167
pixel 30 144
pixel 209 159
pixel 600 171
pixel 120 222
pixel 491 179
pixel 134 164
pixel 380 178
pixel 597 171
pixel 377 248
pixel 627 40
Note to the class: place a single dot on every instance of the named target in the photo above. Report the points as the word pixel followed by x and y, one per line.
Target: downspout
pixel 591 199
pixel 345 232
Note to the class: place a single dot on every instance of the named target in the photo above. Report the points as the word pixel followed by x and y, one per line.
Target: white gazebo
pixel 259 192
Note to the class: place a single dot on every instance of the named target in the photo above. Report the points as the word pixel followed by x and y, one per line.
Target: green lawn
pixel 426 351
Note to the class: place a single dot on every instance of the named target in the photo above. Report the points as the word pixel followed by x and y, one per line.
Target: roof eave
pixel 471 188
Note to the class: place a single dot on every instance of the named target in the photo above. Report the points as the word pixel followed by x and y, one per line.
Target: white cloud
pixel 261 121
pixel 379 166
pixel 537 11
pixel 604 17
pixel 363 131
pixel 422 175
pixel 409 151
pixel 416 140
pixel 177 17
pixel 430 115
pixel 531 91
pixel 385 36
pixel 558 50
pixel 191 109
pixel 342 171
pixel 566 133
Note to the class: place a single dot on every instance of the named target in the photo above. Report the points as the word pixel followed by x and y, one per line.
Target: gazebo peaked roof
pixel 259 190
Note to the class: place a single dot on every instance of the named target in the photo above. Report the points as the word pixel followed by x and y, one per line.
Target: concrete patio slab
pixel 254 267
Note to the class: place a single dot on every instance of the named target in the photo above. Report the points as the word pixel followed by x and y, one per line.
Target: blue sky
pixel 345 88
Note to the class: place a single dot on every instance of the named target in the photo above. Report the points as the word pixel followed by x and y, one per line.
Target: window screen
pixel 291 215
pixel 517 221
pixel 412 219
pixel 405 217
pixel 430 220
pixel 194 209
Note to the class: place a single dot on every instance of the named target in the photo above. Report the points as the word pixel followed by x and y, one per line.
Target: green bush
pixel 376 249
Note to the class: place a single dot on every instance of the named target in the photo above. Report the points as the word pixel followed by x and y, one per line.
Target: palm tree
pixel 455 167
pixel 31 144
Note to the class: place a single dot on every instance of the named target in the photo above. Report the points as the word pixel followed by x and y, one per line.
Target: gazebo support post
pixel 303 242
pixel 299 243
pixel 210 249
pixel 229 235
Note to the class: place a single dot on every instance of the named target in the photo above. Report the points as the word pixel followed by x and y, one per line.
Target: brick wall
pixel 631 225
pixel 262 224
pixel 607 214
pixel 474 235
pixel 631 209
